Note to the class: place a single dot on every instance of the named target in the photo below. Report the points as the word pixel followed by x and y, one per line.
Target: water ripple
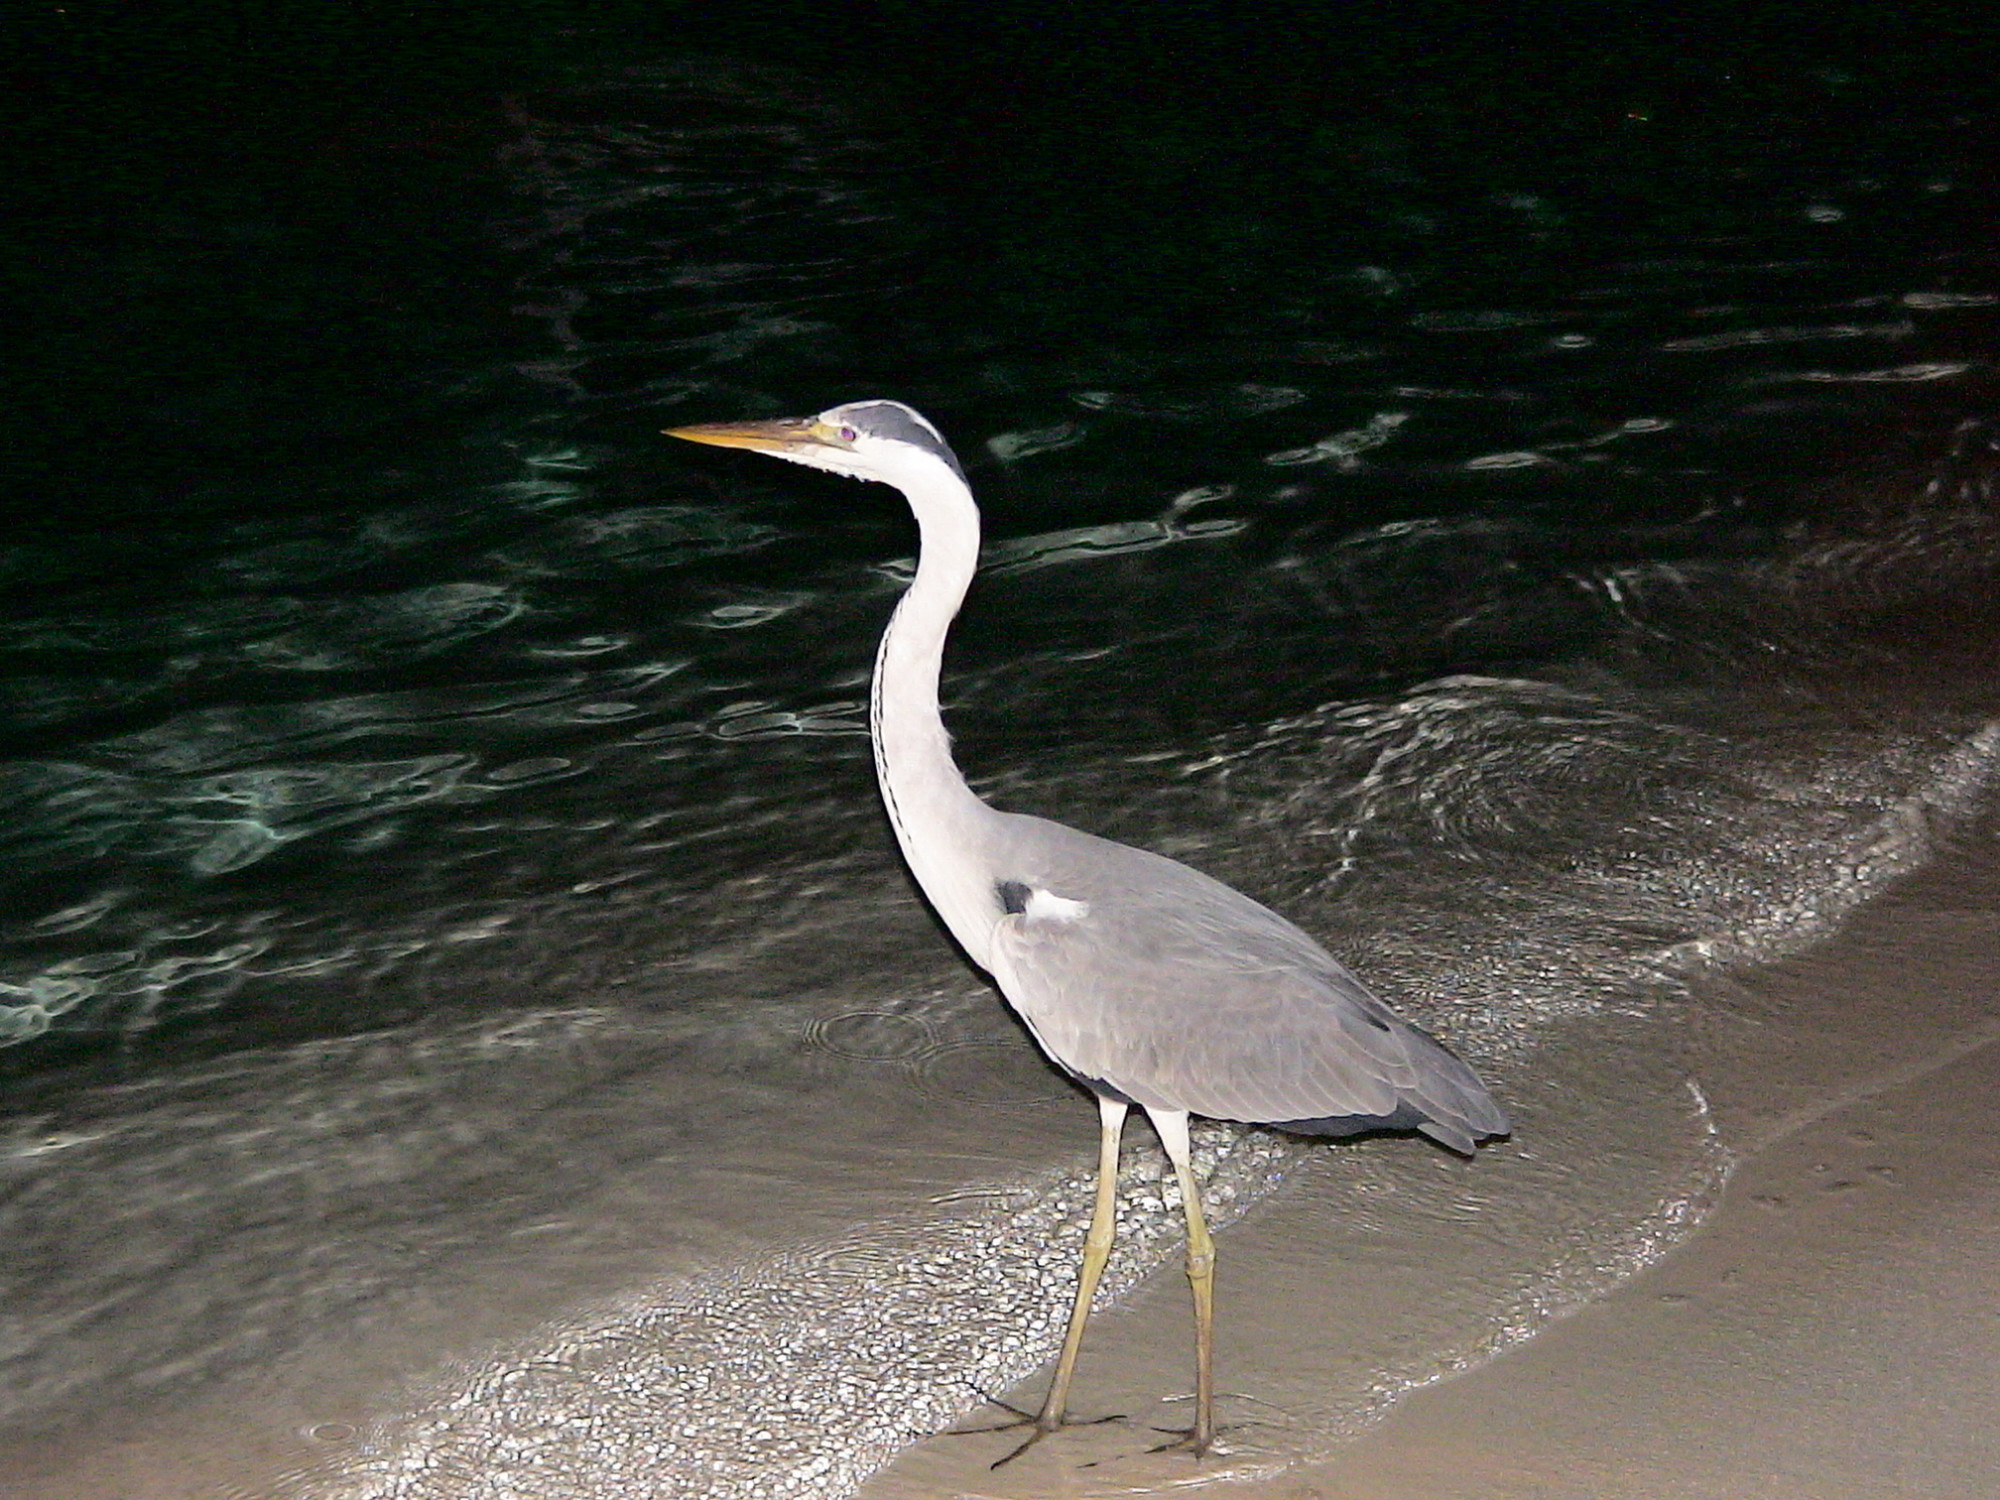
pixel 1745 337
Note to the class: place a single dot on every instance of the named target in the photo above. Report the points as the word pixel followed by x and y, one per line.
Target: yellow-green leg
pixel 1096 1251
pixel 1173 1128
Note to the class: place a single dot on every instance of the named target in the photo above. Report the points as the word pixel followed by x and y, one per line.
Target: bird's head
pixel 880 440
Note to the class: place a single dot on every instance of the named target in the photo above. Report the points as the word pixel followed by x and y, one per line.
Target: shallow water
pixel 472 1034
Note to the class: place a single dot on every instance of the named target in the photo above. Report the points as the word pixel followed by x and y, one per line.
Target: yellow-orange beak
pixel 790 435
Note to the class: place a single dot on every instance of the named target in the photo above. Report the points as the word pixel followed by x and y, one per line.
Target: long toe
pixel 1193 1440
pixel 1037 1430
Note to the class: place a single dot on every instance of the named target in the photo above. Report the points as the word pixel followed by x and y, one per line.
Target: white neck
pixel 942 826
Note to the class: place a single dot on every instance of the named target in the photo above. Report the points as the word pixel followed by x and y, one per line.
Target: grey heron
pixel 1146 981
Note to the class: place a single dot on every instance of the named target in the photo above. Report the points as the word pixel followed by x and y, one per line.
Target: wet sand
pixel 1831 1330
pixel 1834 1330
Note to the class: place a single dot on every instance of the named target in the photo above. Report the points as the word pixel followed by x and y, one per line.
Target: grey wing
pixel 1143 976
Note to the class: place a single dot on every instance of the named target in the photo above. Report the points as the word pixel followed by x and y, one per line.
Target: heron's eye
pixel 847 434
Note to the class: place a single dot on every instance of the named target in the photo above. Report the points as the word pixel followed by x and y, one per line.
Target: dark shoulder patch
pixel 1013 897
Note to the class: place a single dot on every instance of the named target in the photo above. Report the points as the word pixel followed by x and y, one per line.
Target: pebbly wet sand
pixel 1832 1329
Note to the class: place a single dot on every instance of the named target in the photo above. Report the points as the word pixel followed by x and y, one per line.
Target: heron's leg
pixel 1096 1251
pixel 1173 1128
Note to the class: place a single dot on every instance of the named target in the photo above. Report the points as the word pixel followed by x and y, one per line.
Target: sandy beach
pixel 1828 1332
pixel 1834 1329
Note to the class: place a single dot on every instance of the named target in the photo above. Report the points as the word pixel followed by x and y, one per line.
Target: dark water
pixel 1520 504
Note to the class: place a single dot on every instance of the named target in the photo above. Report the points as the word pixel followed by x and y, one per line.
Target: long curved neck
pixel 940 823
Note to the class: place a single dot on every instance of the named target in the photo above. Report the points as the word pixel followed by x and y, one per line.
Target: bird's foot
pixel 1040 1425
pixel 1184 1440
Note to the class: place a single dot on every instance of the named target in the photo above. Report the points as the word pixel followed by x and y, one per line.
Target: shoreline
pixel 1829 1329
